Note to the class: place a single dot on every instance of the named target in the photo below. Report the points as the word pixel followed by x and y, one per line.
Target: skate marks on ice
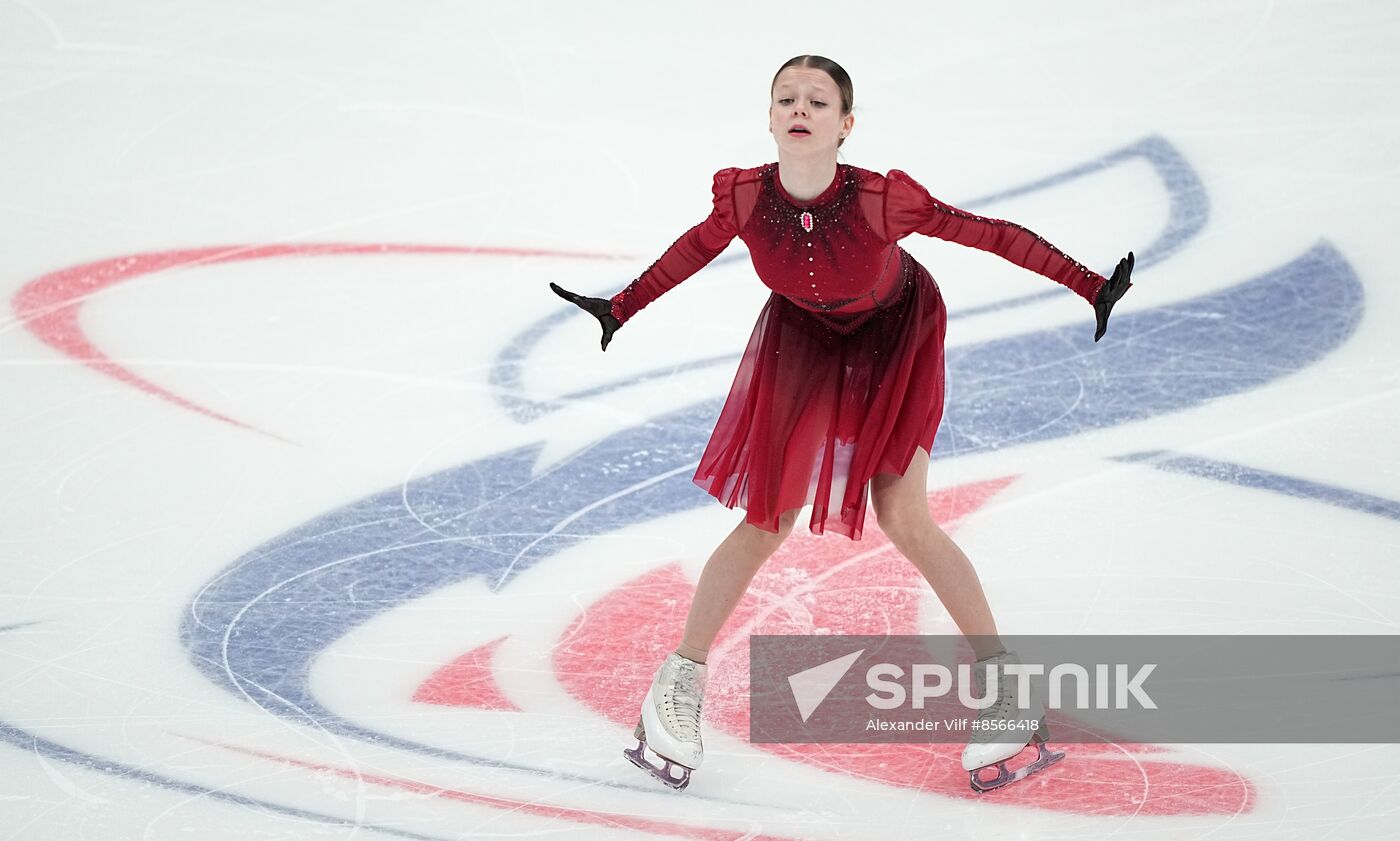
pixel 1057 383
pixel 258 629
pixel 52 750
pixel 533 808
pixel 815 586
pixel 494 517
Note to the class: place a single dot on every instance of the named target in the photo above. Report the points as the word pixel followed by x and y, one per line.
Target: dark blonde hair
pixel 837 73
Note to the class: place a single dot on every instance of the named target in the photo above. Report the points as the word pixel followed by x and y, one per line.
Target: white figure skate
pixel 670 722
pixel 1003 730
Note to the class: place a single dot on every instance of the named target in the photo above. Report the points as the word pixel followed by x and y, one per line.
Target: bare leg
pixel 726 576
pixel 901 508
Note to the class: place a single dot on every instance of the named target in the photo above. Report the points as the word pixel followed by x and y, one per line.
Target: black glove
pixel 1110 292
pixel 599 307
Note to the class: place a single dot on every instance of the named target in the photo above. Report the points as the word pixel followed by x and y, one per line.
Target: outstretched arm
pixel 686 256
pixel 909 208
pixel 691 252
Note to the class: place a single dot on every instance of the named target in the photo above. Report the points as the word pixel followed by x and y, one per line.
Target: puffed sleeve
pixel 909 208
pixel 690 253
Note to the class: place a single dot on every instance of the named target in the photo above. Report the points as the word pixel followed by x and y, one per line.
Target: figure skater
pixel 839 392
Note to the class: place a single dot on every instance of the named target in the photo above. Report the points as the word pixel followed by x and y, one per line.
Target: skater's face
pixel 807 97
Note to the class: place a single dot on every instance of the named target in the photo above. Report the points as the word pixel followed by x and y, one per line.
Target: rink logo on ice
pixel 1144 689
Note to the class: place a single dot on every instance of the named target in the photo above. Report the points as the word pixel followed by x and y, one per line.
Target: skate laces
pixel 1002 707
pixel 1003 701
pixel 682 700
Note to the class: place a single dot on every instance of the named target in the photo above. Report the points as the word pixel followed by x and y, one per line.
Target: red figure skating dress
pixel 843 375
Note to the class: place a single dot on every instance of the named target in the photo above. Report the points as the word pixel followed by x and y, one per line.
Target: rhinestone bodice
pixel 822 254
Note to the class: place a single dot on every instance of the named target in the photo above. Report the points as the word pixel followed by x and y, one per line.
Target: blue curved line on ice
pixel 1187 211
pixel 257 628
pixel 1267 480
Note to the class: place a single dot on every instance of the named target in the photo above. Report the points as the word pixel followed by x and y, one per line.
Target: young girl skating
pixel 839 392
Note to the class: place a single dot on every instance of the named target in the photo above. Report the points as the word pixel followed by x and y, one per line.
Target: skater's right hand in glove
pixel 599 307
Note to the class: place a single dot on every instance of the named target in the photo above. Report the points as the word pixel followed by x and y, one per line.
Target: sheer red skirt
pixel 814 414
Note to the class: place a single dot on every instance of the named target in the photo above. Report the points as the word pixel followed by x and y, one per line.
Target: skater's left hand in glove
pixel 1110 292
pixel 601 308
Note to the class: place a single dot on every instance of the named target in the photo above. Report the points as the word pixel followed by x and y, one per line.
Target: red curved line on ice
pixel 468 681
pixel 49 306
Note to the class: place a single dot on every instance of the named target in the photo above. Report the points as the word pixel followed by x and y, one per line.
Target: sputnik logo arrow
pixel 811 686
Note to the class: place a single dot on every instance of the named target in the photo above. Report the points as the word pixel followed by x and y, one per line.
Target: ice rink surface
pixel 321 517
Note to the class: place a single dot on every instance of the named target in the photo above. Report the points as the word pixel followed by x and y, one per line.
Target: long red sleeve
pixel 687 255
pixel 910 209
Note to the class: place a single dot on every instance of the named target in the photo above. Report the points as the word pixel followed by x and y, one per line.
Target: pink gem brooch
pixel 807 221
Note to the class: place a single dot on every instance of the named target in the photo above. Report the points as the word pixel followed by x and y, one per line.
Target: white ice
pixel 138 128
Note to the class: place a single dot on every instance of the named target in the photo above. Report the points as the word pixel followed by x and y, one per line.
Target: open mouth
pixel 799 131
